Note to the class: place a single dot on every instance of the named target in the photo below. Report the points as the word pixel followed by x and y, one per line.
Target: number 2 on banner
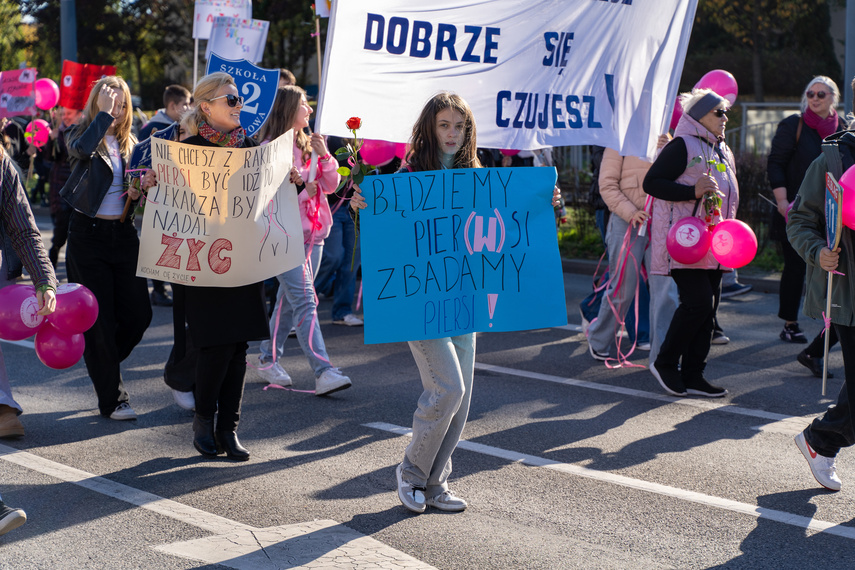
pixel 256 92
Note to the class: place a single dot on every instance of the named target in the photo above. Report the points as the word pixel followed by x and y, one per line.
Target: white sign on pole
pixel 205 11
pixel 550 73
pixel 234 38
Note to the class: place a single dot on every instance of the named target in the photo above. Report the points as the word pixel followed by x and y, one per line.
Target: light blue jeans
pixel 447 368
pixel 5 388
pixel 296 306
pixel 663 302
pixel 340 263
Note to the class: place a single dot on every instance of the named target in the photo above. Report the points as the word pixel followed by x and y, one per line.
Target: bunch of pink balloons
pixel 47 93
pixel 732 242
pixel 847 208
pixel 59 338
pixel 722 82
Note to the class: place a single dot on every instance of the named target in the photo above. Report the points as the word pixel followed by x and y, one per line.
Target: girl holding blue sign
pixel 443 138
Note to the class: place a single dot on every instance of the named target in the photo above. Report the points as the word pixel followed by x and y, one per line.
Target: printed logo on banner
pixel 257 86
pixel 833 213
pixel 17 96
pixel 205 11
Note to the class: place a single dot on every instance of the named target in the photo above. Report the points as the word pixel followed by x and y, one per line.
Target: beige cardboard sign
pixel 221 217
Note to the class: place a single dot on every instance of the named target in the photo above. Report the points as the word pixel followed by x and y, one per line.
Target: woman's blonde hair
pixel 123 134
pixel 205 90
pixel 282 117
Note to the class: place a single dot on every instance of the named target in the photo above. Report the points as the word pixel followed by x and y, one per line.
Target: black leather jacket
pixel 92 170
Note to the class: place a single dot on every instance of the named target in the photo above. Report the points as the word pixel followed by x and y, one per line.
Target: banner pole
pixel 318 46
pixel 826 316
pixel 195 60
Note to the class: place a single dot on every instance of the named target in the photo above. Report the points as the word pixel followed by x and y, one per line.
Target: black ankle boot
pixel 228 442
pixel 203 436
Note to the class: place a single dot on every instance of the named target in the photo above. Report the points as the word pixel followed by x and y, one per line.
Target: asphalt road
pixel 565 464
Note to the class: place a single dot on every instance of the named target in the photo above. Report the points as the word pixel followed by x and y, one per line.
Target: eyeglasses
pixel 818 94
pixel 232 100
pixel 719 112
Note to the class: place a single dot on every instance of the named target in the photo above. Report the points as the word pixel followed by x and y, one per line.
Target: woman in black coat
pixel 796 144
pixel 221 320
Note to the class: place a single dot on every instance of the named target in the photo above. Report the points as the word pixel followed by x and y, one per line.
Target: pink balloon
pixel 401 150
pixel 76 309
pixel 377 153
pixel 720 81
pixel 40 131
pixel 688 241
pixel 733 243
pixel 509 152
pixel 847 208
pixel 47 93
pixel 19 318
pixel 56 349
pixel 675 116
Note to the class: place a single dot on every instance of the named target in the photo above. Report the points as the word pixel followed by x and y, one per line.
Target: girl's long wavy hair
pixel 123 134
pixel 205 90
pixel 282 117
pixel 424 154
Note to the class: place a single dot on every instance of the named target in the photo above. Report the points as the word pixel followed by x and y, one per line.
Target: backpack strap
pixel 799 128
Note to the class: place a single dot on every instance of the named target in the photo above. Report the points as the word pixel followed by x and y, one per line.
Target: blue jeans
pixel 339 264
pixel 296 306
pixel 447 368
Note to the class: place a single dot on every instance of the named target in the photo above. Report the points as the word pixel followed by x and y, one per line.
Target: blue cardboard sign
pixel 833 213
pixel 450 252
pixel 257 86
pixel 141 155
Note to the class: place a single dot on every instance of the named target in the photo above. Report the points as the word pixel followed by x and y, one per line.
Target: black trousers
pixel 689 337
pixel 792 283
pixel 60 234
pixel 833 430
pixel 220 373
pixel 102 255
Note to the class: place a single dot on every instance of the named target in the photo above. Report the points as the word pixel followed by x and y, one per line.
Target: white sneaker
pixel 349 320
pixel 123 411
pixel 823 468
pixel 411 497
pixel 272 373
pixel 447 501
pixel 185 400
pixel 331 380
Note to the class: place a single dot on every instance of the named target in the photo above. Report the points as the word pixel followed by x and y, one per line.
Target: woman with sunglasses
pixel 221 320
pixel 680 183
pixel 796 144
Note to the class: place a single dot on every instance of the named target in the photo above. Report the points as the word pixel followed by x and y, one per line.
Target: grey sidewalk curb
pixel 762 283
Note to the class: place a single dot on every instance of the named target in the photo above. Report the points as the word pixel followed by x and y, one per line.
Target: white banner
pixel 538 73
pixel 204 12
pixel 233 38
pixel 221 217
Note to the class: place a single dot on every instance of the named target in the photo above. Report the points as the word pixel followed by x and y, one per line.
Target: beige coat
pixel 621 178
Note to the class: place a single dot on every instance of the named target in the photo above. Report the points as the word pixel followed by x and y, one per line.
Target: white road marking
pixel 317 544
pixel 623 481
pixel 789 421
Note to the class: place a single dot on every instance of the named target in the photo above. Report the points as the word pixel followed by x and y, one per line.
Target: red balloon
pixel 509 152
pixel 401 150
pixel 847 208
pixel 377 153
pixel 733 244
pixel 47 93
pixel 688 241
pixel 76 309
pixel 56 349
pixel 40 131
pixel 722 82
pixel 19 318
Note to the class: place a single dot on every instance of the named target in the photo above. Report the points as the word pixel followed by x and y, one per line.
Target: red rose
pixel 354 123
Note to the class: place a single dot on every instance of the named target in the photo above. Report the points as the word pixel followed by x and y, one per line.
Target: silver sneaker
pixel 123 411
pixel 272 373
pixel 447 501
pixel 331 380
pixel 823 468
pixel 411 497
pixel 185 400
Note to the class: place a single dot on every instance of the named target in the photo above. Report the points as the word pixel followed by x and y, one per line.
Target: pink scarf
pixel 824 127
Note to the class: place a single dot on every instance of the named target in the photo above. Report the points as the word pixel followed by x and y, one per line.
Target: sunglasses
pixel 818 94
pixel 719 112
pixel 232 100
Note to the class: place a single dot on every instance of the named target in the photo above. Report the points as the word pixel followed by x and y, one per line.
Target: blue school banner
pixel 141 155
pixel 257 86
pixel 456 251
